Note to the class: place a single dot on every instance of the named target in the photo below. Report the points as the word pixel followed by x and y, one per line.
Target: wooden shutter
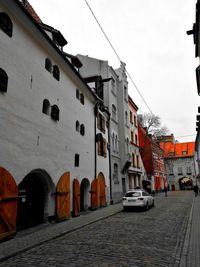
pixel 63 197
pixel 8 204
pixel 76 197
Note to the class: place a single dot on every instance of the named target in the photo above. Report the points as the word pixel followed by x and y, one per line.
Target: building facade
pixel 153 159
pixel 112 87
pixel 51 162
pixel 180 163
pixel 196 38
pixel 136 172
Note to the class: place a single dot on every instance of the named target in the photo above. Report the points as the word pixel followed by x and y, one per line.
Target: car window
pixel 145 194
pixel 133 194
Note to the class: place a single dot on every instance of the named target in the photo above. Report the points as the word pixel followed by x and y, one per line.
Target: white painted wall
pixel 30 139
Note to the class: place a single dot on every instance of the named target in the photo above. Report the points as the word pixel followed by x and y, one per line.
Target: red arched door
pixel 8 204
pixel 94 194
pixel 76 197
pixel 63 197
pixel 102 190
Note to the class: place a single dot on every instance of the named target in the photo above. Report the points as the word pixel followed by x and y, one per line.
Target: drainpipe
pixel 95 144
pixel 105 109
pixel 109 155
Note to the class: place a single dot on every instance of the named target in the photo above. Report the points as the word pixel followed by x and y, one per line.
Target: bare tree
pixel 152 123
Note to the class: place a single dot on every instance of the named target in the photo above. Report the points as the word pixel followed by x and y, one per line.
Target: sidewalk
pixel 25 240
pixel 190 256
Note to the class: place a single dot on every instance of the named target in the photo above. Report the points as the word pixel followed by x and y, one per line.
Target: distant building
pixel 180 164
pixel 153 160
pixel 195 31
pixel 136 172
pixel 111 87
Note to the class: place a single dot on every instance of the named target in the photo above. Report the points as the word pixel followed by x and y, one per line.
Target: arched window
pixel 6 24
pixel 56 72
pixel 114 112
pixel 82 129
pixel 48 65
pixel 77 126
pixel 46 107
pixel 115 172
pixel 3 81
pixel 55 113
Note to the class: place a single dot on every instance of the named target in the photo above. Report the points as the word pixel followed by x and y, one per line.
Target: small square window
pixel 76 161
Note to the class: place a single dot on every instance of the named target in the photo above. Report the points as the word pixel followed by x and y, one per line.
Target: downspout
pixel 95 144
pixel 109 155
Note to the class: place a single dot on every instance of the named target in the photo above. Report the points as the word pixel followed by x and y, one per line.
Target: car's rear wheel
pixel 153 204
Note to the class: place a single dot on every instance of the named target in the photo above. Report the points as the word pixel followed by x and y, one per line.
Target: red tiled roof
pixel 178 149
pixel 31 11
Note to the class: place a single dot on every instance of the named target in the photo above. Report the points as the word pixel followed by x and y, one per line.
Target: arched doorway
pixel 102 189
pixel 85 196
pixel 33 199
pixel 8 204
pixel 185 183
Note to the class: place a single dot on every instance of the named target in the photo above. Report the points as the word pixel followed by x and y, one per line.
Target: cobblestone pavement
pixel 135 238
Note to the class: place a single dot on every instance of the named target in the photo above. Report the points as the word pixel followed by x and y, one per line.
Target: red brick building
pixel 153 160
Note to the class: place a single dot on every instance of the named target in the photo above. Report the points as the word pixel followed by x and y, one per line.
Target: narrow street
pixel 133 238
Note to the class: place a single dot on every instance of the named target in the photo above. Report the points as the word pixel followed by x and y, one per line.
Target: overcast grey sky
pixel 150 37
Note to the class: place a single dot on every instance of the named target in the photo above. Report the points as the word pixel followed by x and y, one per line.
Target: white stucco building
pixel 113 90
pixel 48 123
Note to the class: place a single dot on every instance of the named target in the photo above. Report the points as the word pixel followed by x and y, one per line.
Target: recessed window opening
pixel 48 65
pixel 46 107
pixel 77 94
pixel 77 126
pixel 76 160
pixel 82 99
pixel 3 81
pixel 55 112
pixel 6 24
pixel 82 129
pixel 56 72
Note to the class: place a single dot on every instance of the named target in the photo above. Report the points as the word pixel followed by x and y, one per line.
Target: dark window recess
pixel 77 94
pixel 101 122
pixel 56 72
pixel 46 107
pixel 77 126
pixel 48 65
pixel 82 99
pixel 99 87
pixel 198 79
pixel 55 113
pixel 6 24
pixel 76 160
pixel 82 129
pixel 101 146
pixel 3 81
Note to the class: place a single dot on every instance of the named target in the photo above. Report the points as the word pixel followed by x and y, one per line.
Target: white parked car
pixel 137 198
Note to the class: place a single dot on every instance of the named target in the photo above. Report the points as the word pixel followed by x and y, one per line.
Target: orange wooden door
pixel 63 197
pixel 8 204
pixel 76 197
pixel 102 190
pixel 94 194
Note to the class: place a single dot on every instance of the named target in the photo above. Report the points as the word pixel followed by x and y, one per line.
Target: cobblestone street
pixel 133 238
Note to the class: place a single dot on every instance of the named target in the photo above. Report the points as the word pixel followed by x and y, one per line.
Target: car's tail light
pixel 140 198
pixel 124 198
